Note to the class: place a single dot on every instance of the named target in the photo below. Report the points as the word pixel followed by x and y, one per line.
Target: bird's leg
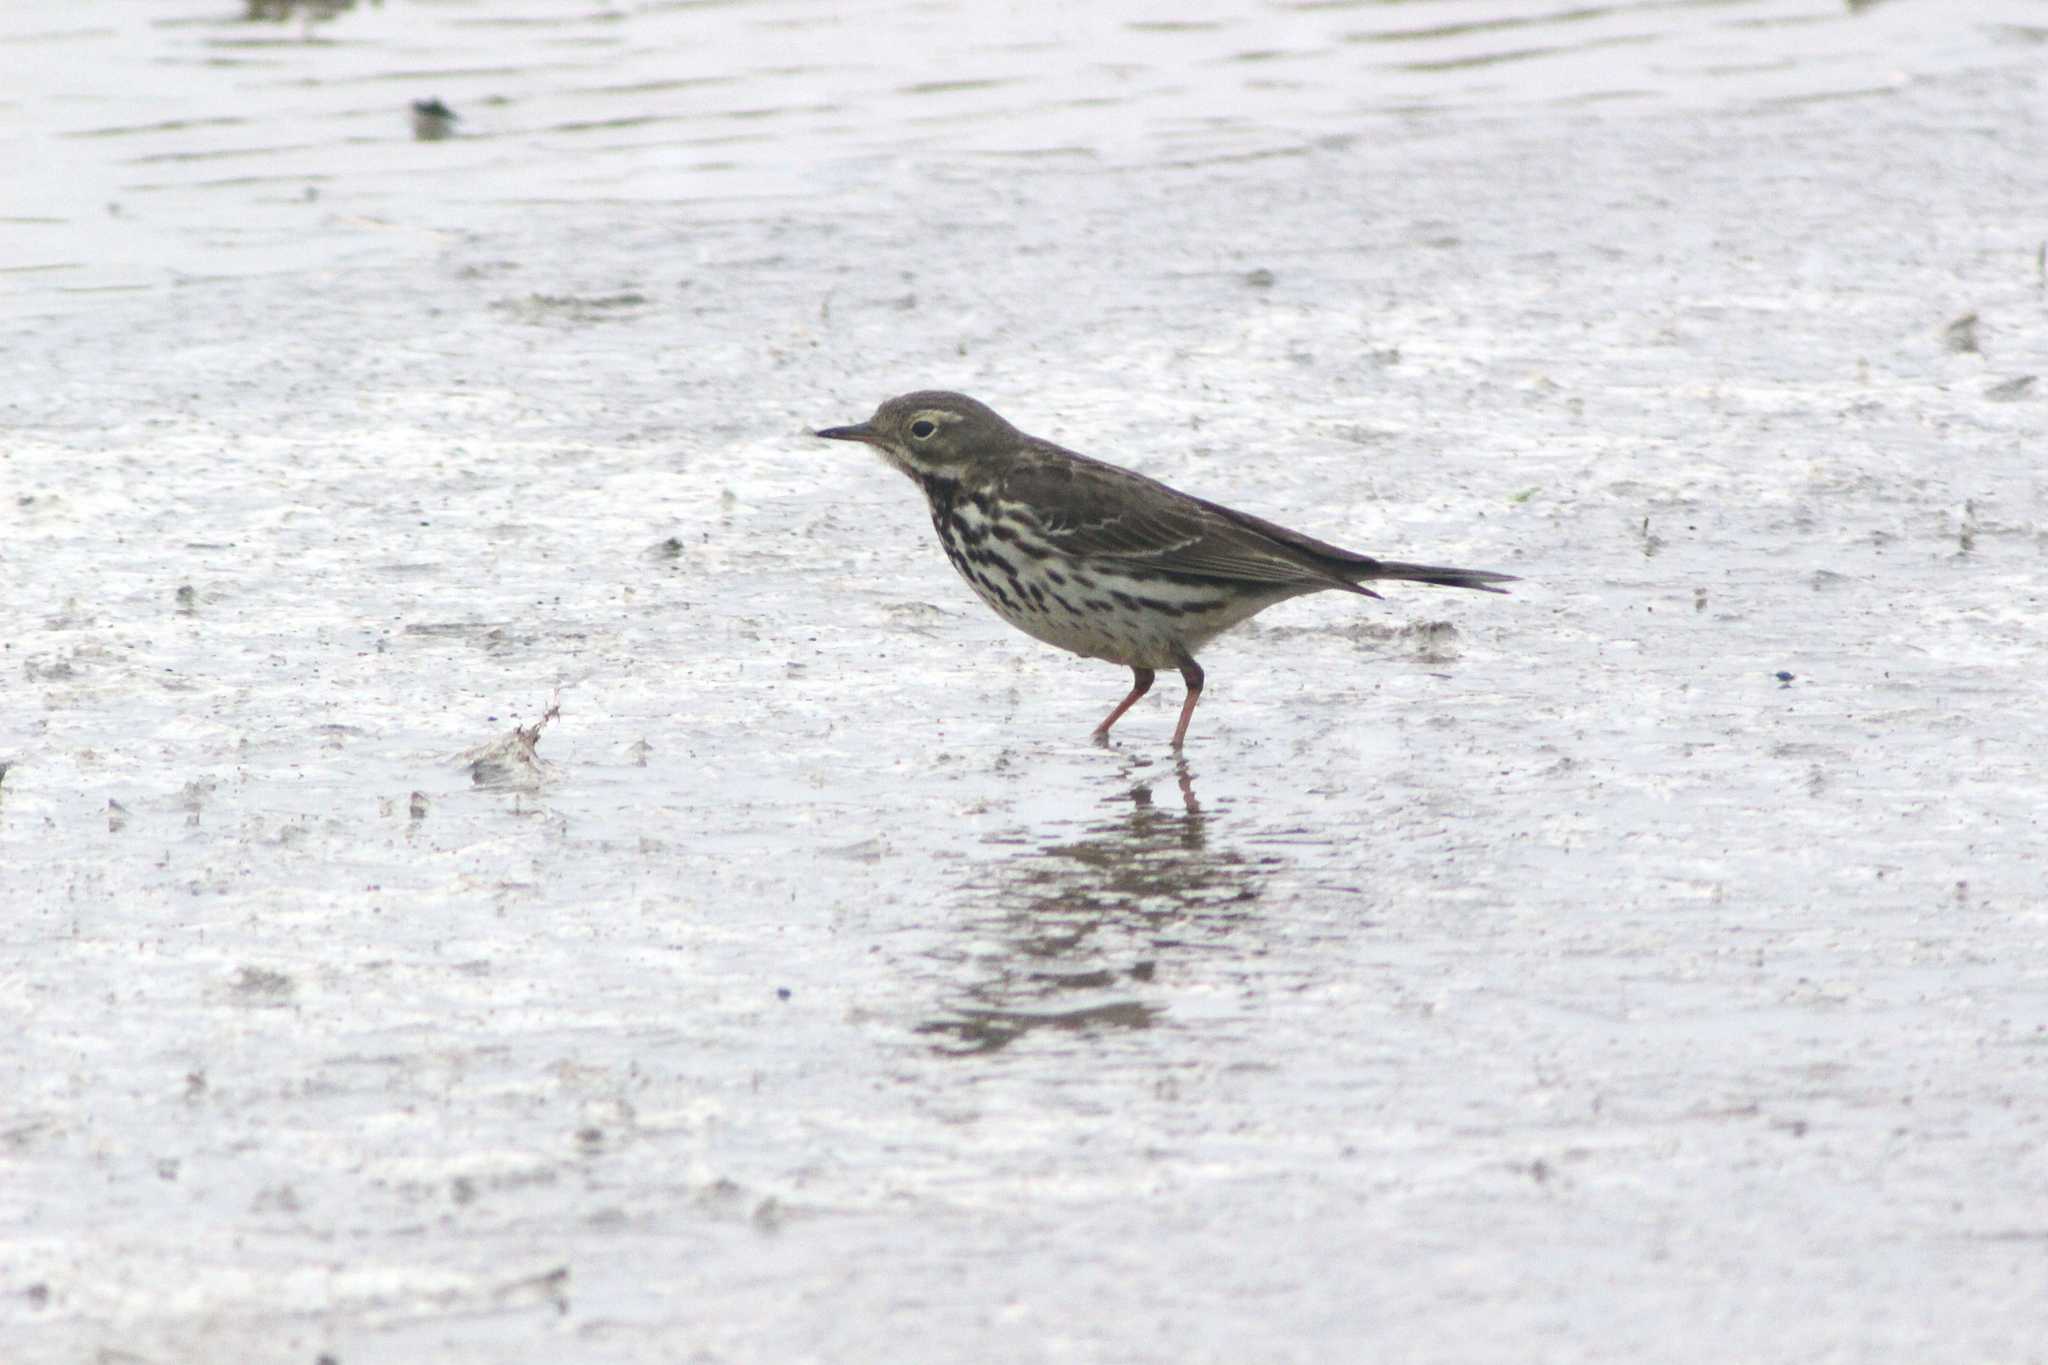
pixel 1191 671
pixel 1141 683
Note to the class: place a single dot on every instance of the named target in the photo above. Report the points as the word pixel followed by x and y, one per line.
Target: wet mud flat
pixel 514 851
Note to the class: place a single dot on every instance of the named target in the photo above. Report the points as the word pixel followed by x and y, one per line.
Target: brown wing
pixel 1094 510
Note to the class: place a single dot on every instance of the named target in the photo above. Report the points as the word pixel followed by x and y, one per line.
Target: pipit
pixel 1100 560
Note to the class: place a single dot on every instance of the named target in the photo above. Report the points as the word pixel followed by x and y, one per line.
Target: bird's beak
pixel 859 431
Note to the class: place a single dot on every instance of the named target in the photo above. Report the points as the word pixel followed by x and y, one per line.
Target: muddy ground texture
pixel 515 851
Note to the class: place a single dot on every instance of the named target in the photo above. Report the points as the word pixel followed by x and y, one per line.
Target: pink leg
pixel 1141 683
pixel 1191 671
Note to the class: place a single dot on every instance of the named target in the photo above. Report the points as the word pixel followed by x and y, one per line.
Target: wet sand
pixel 1647 965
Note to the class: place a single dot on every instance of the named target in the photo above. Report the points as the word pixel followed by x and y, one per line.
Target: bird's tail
pixel 1477 579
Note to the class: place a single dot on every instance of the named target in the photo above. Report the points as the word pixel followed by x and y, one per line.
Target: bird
pixel 1100 560
pixel 432 121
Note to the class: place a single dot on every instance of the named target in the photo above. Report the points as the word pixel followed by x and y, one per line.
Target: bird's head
pixel 932 434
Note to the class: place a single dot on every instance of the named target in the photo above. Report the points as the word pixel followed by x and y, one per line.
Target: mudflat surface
pixel 1652 964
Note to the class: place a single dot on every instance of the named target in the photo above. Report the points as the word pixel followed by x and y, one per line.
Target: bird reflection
pixel 1079 924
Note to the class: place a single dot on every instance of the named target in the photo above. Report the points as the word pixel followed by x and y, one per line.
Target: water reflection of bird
pixel 1082 921
pixel 432 120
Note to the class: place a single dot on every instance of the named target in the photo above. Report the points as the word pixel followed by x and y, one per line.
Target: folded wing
pixel 1086 508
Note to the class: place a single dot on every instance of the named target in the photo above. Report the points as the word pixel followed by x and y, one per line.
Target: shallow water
pixel 1494 978
pixel 182 144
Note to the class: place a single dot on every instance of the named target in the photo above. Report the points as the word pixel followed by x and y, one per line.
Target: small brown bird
pixel 433 121
pixel 1099 560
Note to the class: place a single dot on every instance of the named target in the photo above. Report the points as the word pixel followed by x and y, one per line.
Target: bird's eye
pixel 922 430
